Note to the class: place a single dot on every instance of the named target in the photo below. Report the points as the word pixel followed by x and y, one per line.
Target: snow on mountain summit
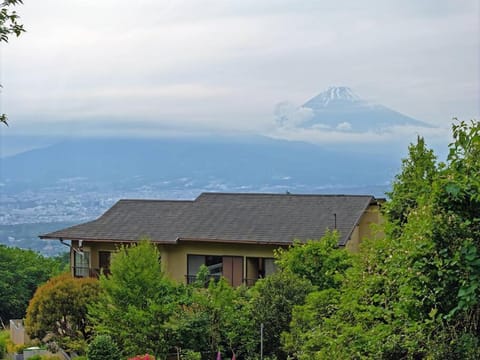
pixel 340 109
pixel 333 94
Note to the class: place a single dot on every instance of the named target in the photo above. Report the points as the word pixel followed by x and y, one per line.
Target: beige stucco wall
pixel 174 257
pixel 367 228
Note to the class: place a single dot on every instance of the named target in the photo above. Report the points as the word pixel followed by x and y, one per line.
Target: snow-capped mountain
pixel 333 96
pixel 339 108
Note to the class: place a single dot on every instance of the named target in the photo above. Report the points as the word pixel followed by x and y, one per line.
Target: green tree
pixel 319 261
pixel 324 265
pixel 415 293
pixel 59 309
pixel 9 25
pixel 137 299
pixel 214 318
pixel 456 235
pixel 412 184
pixel 103 348
pixel 272 302
pixel 21 272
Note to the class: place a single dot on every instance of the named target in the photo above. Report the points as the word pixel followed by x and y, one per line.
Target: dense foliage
pixel 4 336
pixel 21 272
pixel 137 299
pixel 272 303
pixel 103 348
pixel 413 294
pixel 145 312
pixel 320 262
pixel 59 310
pixel 212 319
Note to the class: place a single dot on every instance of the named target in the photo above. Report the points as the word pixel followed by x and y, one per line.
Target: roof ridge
pixel 283 194
pixel 264 217
pixel 156 200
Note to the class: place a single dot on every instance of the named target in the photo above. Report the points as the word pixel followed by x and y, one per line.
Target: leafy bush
pixel 13 348
pixel 4 336
pixel 59 308
pixel 103 348
pixel 56 357
pixel 191 355
pixel 137 300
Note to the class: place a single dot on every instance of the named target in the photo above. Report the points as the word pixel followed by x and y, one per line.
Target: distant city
pixel 26 214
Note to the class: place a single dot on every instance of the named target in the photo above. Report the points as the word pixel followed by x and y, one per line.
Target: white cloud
pixel 395 135
pixel 288 115
pixel 224 65
pixel 344 126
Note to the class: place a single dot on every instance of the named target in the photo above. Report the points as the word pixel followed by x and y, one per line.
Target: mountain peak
pixel 331 95
pixel 339 108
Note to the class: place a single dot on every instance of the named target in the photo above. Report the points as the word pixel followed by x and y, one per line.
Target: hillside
pixel 249 162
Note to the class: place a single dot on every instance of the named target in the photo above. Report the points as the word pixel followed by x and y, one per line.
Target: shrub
pixel 59 308
pixel 4 336
pixel 191 355
pixel 103 348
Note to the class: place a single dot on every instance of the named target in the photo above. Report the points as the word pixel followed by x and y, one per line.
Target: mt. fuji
pixel 340 109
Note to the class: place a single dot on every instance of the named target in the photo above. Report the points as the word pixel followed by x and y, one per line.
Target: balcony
pixel 83 271
pixel 192 278
pixel 216 277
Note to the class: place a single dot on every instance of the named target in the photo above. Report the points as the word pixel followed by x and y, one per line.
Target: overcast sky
pixel 216 65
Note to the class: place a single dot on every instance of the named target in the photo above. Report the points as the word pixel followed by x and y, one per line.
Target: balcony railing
pixel 216 277
pixel 192 278
pixel 84 271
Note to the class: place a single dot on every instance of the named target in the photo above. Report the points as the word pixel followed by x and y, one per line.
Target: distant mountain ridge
pixel 215 163
pixel 339 108
pixel 76 181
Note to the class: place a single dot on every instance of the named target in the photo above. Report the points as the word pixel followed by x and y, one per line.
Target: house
pixel 233 234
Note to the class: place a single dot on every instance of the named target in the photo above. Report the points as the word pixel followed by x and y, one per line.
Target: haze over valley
pixel 76 179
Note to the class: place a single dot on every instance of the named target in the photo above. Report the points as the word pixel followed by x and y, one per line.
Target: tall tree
pixel 412 184
pixel 137 299
pixel 414 294
pixel 216 318
pixel 273 299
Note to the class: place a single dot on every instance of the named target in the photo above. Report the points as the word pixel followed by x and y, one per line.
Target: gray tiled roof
pixel 226 217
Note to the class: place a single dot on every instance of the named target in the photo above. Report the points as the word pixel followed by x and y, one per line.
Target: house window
pixel 269 266
pixel 230 267
pixel 81 265
pixel 258 268
pixel 104 262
